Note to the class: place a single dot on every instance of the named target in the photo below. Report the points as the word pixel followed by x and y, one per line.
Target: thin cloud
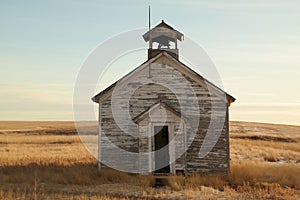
pixel 234 4
pixel 271 104
pixel 260 94
pixel 35 93
pixel 34 115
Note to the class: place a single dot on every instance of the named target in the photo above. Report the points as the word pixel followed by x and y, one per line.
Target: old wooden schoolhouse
pixel 173 114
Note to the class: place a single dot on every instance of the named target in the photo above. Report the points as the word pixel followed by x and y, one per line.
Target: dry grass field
pixel 46 160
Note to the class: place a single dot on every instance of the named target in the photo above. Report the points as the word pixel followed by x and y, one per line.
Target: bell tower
pixel 163 37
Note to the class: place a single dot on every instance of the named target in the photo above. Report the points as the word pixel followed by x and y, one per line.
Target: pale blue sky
pixel 255 46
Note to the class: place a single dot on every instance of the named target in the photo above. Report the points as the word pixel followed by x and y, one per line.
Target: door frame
pixel 170 126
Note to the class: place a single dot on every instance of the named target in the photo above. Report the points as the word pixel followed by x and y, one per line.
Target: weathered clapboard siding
pixel 146 96
pixel 179 147
pixel 112 134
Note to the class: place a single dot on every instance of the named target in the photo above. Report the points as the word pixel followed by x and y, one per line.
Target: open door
pixel 161 139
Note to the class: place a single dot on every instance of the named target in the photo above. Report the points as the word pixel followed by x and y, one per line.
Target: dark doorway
pixel 162 159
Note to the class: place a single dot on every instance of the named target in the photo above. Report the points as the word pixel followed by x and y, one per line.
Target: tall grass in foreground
pixel 246 181
pixel 71 175
pixel 17 195
pixel 250 174
pixel 71 182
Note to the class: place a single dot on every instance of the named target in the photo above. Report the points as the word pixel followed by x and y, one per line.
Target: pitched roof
pixel 163 26
pixel 141 116
pixel 97 97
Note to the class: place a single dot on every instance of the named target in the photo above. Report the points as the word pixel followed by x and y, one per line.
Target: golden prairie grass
pixel 59 150
pixel 251 173
pixel 20 195
pixel 38 159
pixel 246 181
pixel 286 175
pixel 265 151
pixel 264 142
pixel 76 182
pixel 125 187
pixel 43 143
